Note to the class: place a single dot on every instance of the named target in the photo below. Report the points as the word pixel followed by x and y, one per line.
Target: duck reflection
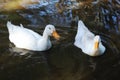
pixel 19 51
pixel 20 63
pixel 14 51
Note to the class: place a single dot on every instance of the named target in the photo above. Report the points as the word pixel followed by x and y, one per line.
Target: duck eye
pixel 49 28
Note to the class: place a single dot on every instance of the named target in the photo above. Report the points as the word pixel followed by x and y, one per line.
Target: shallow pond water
pixel 63 61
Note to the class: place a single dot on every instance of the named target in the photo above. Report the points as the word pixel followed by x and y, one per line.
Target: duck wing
pixel 83 31
pixel 16 29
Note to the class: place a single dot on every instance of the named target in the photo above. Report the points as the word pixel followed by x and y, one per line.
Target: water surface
pixel 63 61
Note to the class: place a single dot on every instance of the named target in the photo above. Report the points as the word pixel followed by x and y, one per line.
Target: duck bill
pixel 55 35
pixel 96 45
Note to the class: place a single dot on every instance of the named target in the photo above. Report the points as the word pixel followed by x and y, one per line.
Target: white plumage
pixel 87 41
pixel 27 39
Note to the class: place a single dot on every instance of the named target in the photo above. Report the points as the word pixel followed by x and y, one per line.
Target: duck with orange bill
pixel 27 39
pixel 88 42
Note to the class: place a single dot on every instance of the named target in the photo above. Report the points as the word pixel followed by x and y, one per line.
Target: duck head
pixel 51 31
pixel 96 42
pixel 98 48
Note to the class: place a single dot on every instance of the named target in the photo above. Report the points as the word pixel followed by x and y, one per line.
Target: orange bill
pixel 96 45
pixel 55 35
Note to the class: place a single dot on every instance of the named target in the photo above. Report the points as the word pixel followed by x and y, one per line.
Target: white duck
pixel 27 39
pixel 87 41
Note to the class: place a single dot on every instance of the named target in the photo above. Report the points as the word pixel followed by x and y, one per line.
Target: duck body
pixel 27 39
pixel 89 43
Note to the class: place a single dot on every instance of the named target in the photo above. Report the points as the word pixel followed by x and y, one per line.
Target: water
pixel 63 61
pixel 40 3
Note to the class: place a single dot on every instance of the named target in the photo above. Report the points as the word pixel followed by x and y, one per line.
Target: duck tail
pixel 10 26
pixel 81 24
pixel 8 23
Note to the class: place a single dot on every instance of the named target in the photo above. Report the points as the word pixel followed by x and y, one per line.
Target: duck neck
pixel 45 35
